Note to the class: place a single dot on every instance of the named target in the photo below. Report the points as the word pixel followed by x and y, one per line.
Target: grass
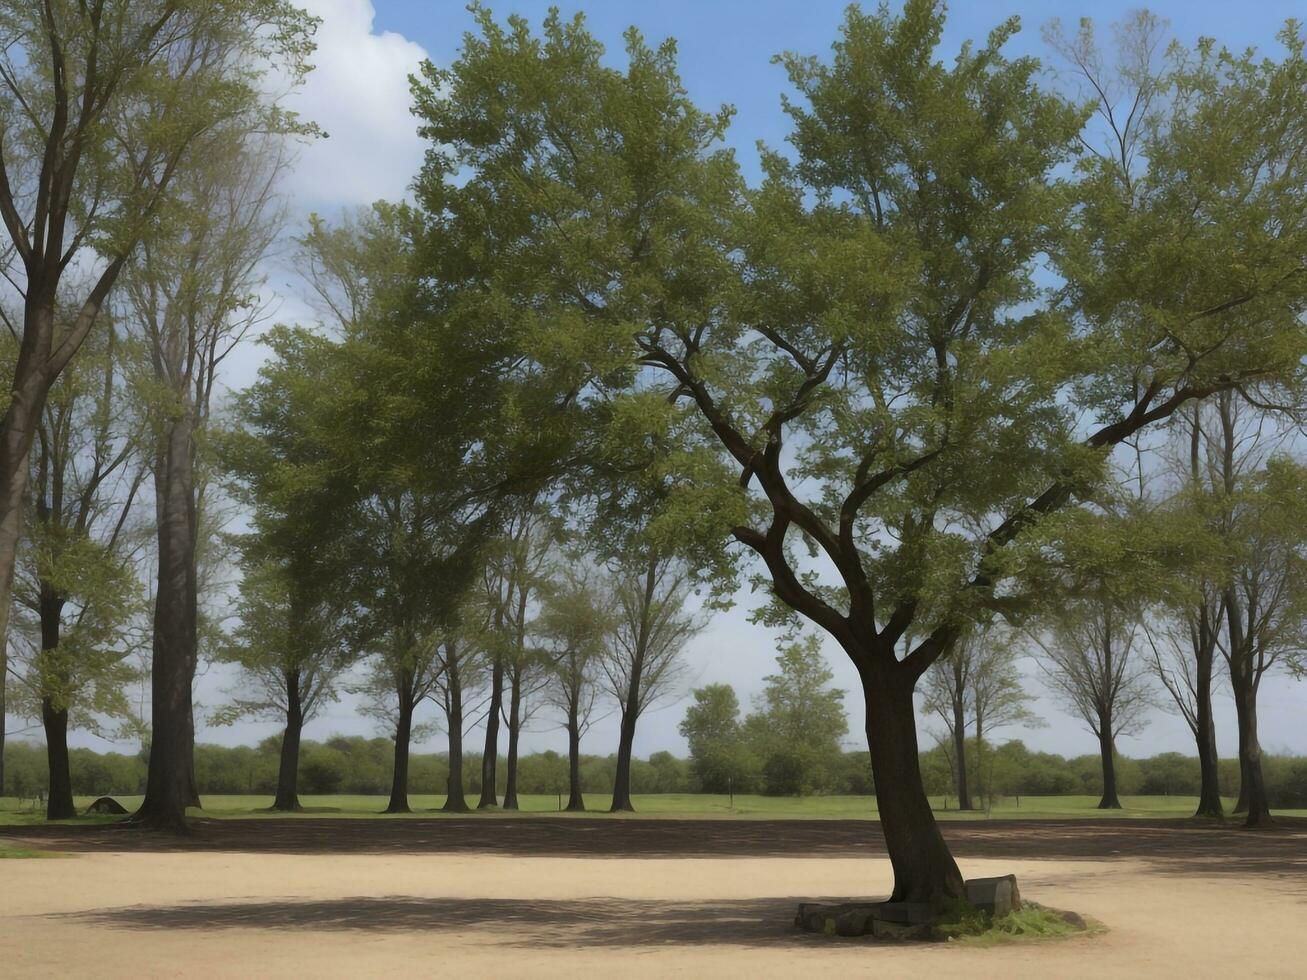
pixel 1032 922
pixel 667 806
pixel 10 851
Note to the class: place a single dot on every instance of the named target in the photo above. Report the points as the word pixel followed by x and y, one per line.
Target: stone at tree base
pixel 997 896
pixel 106 804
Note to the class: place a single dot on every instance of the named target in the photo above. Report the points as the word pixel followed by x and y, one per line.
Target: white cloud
pixel 358 92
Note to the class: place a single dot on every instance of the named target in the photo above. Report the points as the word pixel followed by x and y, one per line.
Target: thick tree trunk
pixel 59 803
pixel 288 798
pixel 192 784
pixel 490 755
pixel 1209 793
pixel 399 776
pixel 575 801
pixel 1252 790
pixel 514 732
pixel 960 749
pixel 924 869
pixel 169 786
pixel 622 777
pixel 54 719
pixel 1107 753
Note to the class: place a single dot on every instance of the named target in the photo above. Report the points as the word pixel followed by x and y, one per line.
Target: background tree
pixel 460 675
pixel 946 693
pixel 798 721
pixel 1092 661
pixel 77 587
pixel 291 649
pixel 998 695
pixel 105 104
pixel 721 759
pixel 576 624
pixel 643 660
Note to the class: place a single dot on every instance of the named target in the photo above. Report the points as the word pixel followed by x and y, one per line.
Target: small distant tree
pixel 719 756
pixel 574 626
pixel 643 660
pixel 1093 662
pixel 798 721
pixel 460 672
pixel 291 651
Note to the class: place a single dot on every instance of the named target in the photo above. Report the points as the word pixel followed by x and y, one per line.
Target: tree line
pixel 992 346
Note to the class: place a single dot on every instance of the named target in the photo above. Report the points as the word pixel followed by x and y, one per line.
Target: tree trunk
pixel 490 755
pixel 169 786
pixel 575 802
pixel 17 431
pixel 1209 793
pixel 960 743
pixel 1252 790
pixel 924 869
pixel 514 731
pixel 1107 752
pixel 455 801
pixel 288 799
pixel 59 803
pixel 622 778
pixel 399 777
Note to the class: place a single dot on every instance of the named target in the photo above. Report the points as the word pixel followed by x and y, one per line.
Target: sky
pixel 358 93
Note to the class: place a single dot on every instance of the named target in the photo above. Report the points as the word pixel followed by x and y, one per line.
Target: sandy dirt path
pixel 256 915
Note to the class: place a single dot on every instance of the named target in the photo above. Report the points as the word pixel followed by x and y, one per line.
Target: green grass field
pixel 662 806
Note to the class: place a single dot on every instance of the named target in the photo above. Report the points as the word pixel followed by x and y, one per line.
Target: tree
pixel 77 589
pixel 106 104
pixel 513 576
pixel 719 757
pixel 190 293
pixel 291 651
pixel 1092 662
pixel 798 722
pixel 863 341
pixel 946 691
pixel 1184 639
pixel 461 669
pixel 642 662
pixel 998 695
pixel 575 625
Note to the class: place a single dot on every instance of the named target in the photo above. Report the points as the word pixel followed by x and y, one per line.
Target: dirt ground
pixel 630 898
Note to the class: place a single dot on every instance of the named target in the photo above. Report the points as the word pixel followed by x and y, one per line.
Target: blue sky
pixel 359 94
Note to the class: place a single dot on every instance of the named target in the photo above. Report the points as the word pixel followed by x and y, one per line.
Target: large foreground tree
pixel 875 371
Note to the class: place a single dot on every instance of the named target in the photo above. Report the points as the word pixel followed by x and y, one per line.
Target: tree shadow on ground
pixel 1170 846
pixel 559 924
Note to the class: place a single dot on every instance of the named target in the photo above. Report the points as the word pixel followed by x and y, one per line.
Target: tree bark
pixel 622 777
pixel 169 786
pixel 1209 793
pixel 924 869
pixel 514 731
pixel 1252 790
pixel 455 801
pixel 1107 753
pixel 490 755
pixel 288 799
pixel 59 803
pixel 575 801
pixel 399 776
pixel 960 739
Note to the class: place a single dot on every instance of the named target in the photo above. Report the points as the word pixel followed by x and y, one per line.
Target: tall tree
pixel 190 293
pixel 643 661
pixel 77 587
pixel 105 104
pixel 863 342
